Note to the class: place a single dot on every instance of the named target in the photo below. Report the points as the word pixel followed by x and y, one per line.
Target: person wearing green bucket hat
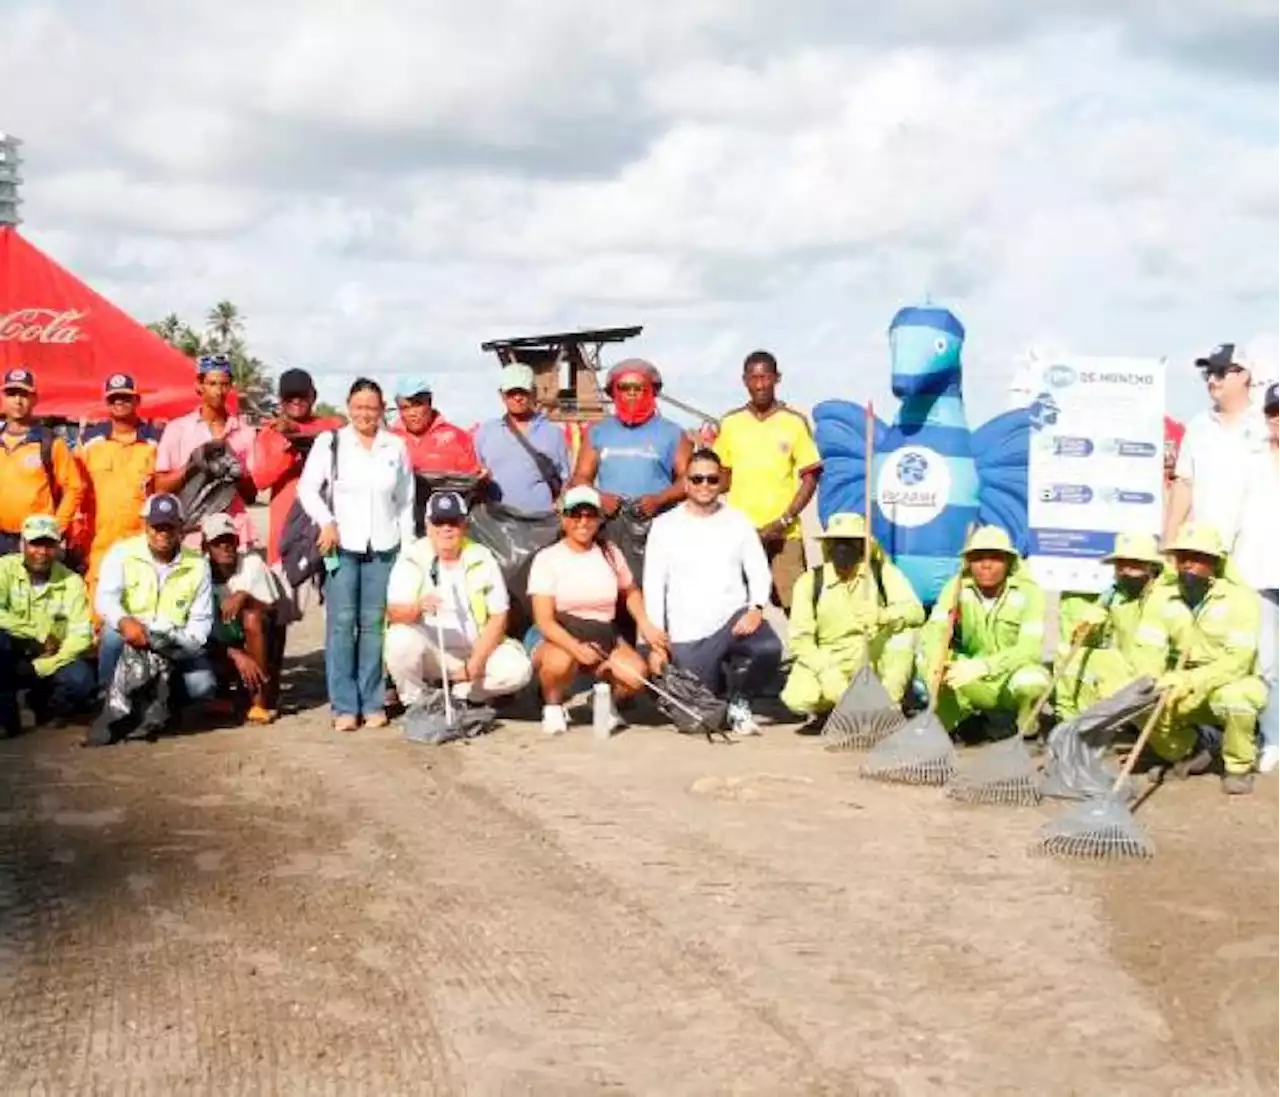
pixel 1218 688
pixel 1107 641
pixel 839 624
pixel 994 666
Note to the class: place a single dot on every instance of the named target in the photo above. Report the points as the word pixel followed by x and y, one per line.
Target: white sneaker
pixel 1269 759
pixel 554 720
pixel 742 720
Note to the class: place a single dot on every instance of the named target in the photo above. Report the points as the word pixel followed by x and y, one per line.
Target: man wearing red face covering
pixel 635 455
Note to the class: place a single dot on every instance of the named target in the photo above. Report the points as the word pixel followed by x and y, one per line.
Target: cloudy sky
pixel 382 185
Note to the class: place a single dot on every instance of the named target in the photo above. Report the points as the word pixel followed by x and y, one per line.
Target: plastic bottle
pixel 601 710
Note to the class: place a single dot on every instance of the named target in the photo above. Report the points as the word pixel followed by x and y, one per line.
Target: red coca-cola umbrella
pixel 73 340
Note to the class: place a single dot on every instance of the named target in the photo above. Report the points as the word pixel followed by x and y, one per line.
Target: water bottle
pixel 601 710
pixel 331 561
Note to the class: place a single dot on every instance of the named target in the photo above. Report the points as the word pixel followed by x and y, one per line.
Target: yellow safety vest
pixel 144 597
pixel 474 557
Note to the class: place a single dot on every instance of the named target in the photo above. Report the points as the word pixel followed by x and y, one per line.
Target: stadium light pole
pixel 10 179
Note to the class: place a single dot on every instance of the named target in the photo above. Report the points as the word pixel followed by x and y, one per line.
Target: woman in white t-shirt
pixel 575 586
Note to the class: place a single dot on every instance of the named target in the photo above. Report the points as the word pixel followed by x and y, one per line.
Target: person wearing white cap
pixel 446 586
pixel 575 586
pixel 241 642
pixel 524 454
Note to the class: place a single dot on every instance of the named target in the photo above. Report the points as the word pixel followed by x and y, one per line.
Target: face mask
pixel 640 411
pixel 1131 586
pixel 1193 587
pixel 846 554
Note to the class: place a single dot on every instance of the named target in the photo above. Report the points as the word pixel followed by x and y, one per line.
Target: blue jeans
pixel 199 683
pixel 355 618
pixel 65 692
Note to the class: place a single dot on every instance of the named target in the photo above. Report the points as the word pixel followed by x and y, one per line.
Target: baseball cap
pixel 213 363
pixel 120 384
pixel 446 506
pixel 295 382
pixel 1222 358
pixel 515 377
pixel 1271 398
pixel 412 387
pixel 584 495
pixel 162 510
pixel 20 378
pixel 41 527
pixel 214 526
pixel 633 365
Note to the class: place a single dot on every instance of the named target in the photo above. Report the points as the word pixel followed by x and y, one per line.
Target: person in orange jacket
pixel 119 461
pixel 37 471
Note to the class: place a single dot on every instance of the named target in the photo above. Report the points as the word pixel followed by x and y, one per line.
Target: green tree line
pixel 223 332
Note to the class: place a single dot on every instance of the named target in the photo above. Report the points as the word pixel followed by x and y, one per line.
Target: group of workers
pixel 724 541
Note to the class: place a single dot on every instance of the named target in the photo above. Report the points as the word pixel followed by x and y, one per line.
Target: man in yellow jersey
pixel 771 466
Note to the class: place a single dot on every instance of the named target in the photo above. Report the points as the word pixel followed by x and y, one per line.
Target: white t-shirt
pixel 251 577
pixel 1214 457
pixel 408 584
pixel 1257 551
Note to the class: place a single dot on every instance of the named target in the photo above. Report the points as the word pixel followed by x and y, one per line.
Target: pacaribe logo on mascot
pixel 913 489
pixel 933 476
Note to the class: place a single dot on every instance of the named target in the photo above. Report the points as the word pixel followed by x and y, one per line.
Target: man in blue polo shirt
pixel 525 454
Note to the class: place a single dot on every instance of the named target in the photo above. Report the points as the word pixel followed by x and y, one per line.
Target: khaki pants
pixel 413 661
pixel 786 564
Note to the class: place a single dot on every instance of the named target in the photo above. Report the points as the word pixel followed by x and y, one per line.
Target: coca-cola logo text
pixel 41 326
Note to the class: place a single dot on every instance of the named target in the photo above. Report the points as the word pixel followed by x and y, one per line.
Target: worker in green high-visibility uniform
pixel 1122 635
pixel 995 665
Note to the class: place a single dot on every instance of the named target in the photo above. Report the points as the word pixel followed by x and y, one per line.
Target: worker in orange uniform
pixel 119 460
pixel 38 475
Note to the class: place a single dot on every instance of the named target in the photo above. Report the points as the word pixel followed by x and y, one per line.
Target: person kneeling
pixel 707 579
pixel 447 587
pixel 155 597
pixel 45 630
pixel 242 643
pixel 1218 689
pixel 996 669
pixel 842 619
pixel 575 586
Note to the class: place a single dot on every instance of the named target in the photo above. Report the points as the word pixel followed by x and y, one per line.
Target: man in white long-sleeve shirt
pixel 153 592
pixel 706 582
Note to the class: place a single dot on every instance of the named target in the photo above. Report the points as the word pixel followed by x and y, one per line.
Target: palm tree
pixel 168 329
pixel 224 325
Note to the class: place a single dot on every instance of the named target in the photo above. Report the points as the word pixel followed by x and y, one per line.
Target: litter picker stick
pixel 698 720
pixel 444 670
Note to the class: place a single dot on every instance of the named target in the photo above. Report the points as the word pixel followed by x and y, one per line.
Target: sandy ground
pixel 291 911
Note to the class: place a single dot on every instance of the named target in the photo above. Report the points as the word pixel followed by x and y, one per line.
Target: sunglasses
pixel 582 514
pixel 1219 372
pixel 707 478
pixel 631 388
pixel 448 523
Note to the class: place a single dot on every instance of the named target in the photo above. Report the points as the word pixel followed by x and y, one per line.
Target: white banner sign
pixel 1096 466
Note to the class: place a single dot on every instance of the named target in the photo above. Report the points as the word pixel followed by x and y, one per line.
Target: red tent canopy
pixel 72 340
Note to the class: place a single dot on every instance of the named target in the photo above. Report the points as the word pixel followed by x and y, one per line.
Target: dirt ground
pixel 291 911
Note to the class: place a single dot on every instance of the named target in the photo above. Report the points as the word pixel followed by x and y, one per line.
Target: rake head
pixel 1101 829
pixel 865 715
pixel 1003 773
pixel 918 753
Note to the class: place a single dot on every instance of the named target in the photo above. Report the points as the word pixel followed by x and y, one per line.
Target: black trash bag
pixel 629 531
pixel 426 484
pixel 686 688
pixel 137 700
pixel 1077 769
pixel 212 486
pixel 428 722
pixel 513 536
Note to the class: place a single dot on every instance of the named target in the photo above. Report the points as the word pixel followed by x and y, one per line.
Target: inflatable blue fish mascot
pixel 932 476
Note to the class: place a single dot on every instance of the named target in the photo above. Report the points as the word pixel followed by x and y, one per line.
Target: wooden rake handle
pixel 1076 646
pixel 1150 726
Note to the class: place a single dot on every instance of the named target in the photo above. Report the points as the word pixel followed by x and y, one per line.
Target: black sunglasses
pixel 704 478
pixel 583 512
pixel 1219 372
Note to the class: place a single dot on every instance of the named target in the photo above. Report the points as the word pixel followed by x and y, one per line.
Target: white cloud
pixel 383 186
